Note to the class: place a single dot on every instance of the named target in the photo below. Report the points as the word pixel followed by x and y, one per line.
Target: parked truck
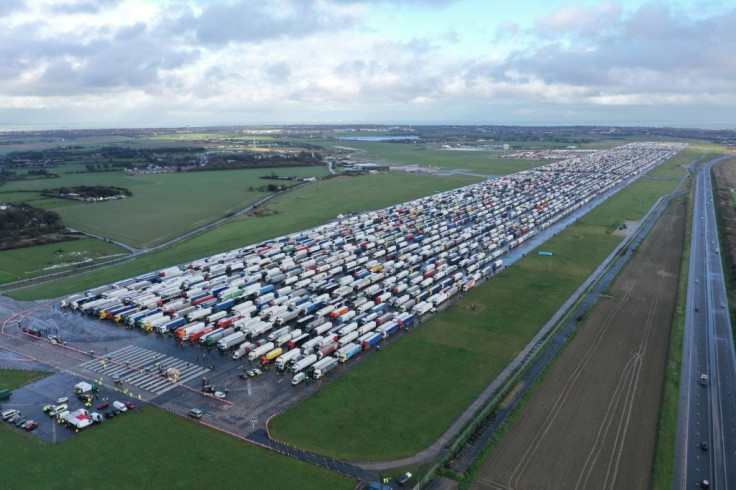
pixel 198 314
pixel 271 355
pixel 243 349
pixel 347 351
pixel 171 325
pixel 422 308
pixel 348 338
pixel 258 328
pixel 366 327
pixel 212 337
pixel 321 328
pixel 324 366
pixel 277 333
pixel 327 349
pixel 231 341
pixel 199 333
pixel 389 328
pixel 298 341
pixel 301 364
pixel 183 332
pixel 283 360
pixel 260 350
pixel 372 340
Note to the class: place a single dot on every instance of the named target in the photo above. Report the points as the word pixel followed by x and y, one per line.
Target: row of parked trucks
pixel 314 299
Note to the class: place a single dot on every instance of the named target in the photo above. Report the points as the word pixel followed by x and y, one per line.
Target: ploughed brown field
pixel 725 177
pixel 592 422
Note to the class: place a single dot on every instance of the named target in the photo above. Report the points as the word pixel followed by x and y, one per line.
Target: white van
pixel 298 378
pixel 120 406
pixel 9 413
pixel 57 409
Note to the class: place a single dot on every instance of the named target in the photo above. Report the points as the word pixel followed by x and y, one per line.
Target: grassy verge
pixel 664 459
pixel 404 398
pixel 305 207
pixel 477 464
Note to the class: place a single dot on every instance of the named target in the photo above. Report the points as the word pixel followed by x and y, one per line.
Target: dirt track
pixel 592 423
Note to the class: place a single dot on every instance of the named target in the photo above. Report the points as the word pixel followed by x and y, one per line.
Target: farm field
pixel 593 424
pixel 293 211
pixel 24 263
pixel 155 443
pixel 473 341
pixel 163 206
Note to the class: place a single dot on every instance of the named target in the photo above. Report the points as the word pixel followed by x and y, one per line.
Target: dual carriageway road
pixel 706 450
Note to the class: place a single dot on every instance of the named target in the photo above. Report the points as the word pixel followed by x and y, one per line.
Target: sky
pixel 166 63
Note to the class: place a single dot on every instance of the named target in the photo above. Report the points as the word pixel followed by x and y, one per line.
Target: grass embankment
pixel 665 453
pixel 24 263
pixel 402 400
pixel 308 206
pixel 147 449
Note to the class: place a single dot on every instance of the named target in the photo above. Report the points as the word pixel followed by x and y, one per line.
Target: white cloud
pixel 287 59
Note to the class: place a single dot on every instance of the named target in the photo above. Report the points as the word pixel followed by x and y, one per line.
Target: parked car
pixel 219 394
pixel 404 478
pixel 103 405
pixel 110 414
pixel 129 405
pixel 11 412
pixel 61 400
pixel 31 425
pixel 195 412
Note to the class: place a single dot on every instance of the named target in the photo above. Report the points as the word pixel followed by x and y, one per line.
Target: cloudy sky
pixel 152 63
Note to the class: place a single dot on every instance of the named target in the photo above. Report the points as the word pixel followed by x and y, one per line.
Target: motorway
pixel 706 408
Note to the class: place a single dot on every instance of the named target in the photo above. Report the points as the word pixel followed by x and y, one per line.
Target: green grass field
pixel 148 449
pixel 308 206
pixel 163 206
pixel 402 399
pixel 15 378
pixel 482 162
pixel 54 257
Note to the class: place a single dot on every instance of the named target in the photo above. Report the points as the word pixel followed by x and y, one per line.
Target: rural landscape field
pixel 371 245
pixel 178 217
